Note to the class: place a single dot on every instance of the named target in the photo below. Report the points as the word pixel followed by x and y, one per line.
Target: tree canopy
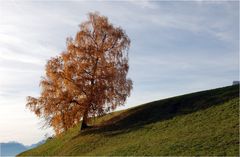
pixel 86 80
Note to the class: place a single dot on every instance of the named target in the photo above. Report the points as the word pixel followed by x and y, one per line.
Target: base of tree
pixel 85 126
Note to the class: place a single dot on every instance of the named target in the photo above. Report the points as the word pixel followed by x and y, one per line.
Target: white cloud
pixel 144 4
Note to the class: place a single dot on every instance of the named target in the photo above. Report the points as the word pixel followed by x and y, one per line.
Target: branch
pixel 103 40
pixel 70 80
pixel 87 72
pixel 113 45
pixel 93 40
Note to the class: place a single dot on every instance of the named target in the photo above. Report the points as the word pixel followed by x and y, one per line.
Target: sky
pixel 177 47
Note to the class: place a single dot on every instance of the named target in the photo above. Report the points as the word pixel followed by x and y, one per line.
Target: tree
pixel 88 79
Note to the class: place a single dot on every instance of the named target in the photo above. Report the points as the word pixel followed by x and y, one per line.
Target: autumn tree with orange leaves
pixel 88 79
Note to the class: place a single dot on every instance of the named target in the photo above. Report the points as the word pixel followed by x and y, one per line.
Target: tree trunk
pixel 85 115
pixel 84 120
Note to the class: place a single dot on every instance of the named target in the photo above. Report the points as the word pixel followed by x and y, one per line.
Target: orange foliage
pixel 88 79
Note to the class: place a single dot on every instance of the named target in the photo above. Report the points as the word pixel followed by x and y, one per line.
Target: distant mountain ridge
pixel 13 148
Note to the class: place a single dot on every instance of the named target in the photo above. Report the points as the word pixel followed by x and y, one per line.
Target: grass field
pixel 202 123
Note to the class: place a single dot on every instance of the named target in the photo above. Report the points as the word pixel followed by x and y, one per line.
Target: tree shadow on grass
pixel 162 110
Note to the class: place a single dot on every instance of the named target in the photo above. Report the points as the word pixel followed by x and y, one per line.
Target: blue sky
pixel 176 48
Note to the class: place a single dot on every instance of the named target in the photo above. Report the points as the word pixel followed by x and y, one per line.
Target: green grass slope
pixel 202 123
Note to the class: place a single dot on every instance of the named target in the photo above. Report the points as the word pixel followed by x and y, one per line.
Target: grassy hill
pixel 202 123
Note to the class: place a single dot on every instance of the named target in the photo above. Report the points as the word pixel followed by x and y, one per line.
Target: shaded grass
pixel 202 123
